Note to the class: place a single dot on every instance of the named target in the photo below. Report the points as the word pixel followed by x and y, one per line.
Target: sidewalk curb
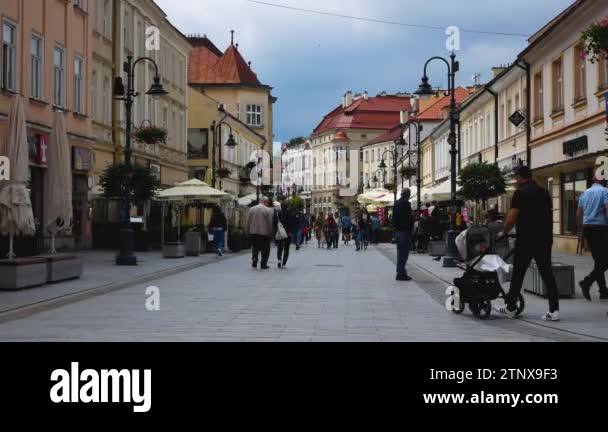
pixel 25 311
pixel 580 337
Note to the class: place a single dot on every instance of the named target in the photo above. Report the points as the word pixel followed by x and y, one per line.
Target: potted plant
pixel 595 41
pixel 224 173
pixel 150 135
pixel 138 183
pixel 236 240
pixel 480 182
pixel 408 171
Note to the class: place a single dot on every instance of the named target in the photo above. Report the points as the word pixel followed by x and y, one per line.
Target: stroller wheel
pixel 458 309
pixel 481 308
pixel 521 304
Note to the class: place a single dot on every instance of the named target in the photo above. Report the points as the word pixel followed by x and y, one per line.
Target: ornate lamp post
pixel 397 156
pixel 126 257
pixel 216 128
pixel 425 91
pixel 418 153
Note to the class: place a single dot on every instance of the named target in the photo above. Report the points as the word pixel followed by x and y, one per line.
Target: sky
pixel 312 60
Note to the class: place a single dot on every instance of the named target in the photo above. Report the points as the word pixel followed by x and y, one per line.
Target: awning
pixel 440 192
pixel 377 197
pixel 193 190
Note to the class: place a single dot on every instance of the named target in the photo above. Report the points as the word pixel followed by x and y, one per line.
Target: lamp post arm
pixel 437 58
pixel 149 59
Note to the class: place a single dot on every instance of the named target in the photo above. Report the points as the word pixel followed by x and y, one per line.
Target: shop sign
pixel 517 118
pixel 82 159
pixel 37 149
pixel 576 145
pixel 510 165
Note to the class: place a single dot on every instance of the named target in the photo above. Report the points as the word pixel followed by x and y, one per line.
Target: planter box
pixel 564 276
pixel 174 250
pixel 192 243
pixel 438 248
pixel 22 273
pixel 63 267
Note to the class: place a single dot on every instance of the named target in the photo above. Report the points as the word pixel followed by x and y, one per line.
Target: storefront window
pixel 573 186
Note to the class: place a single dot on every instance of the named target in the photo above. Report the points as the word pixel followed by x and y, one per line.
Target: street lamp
pixel 397 157
pixel 425 91
pixel 216 127
pixel 419 129
pixel 126 257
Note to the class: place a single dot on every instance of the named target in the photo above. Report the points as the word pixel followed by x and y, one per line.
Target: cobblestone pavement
pixel 338 295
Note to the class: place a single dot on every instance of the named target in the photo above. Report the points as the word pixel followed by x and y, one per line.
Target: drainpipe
pixel 493 93
pixel 523 64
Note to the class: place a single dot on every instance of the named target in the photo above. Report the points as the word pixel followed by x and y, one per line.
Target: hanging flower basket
pixel 595 41
pixel 224 173
pixel 408 172
pixel 151 135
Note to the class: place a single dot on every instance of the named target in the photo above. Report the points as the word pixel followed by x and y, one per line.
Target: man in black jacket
pixel 404 225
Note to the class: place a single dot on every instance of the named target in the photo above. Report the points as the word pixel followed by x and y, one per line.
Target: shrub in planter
pixel 150 135
pixel 595 40
pixel 236 241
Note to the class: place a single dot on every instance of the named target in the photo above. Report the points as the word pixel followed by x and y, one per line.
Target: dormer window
pixel 254 115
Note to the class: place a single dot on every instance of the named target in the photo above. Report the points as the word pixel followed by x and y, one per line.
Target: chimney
pixel 497 70
pixel 348 99
pixel 365 95
pixel 414 103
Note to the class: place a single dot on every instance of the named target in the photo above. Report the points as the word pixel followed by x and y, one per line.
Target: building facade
pixel 297 172
pixel 339 137
pixel 567 113
pixel 46 59
pixel 228 79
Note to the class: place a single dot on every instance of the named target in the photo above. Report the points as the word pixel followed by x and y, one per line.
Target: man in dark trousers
pixel 532 215
pixel 593 217
pixel 403 222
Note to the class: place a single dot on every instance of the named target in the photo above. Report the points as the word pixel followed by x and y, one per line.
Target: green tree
pixel 138 182
pixel 296 203
pixel 297 141
pixel 481 181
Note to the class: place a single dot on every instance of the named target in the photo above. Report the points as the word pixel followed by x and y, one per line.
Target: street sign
pixel 517 118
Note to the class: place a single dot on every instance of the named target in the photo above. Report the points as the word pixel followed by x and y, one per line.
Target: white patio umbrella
pixel 190 191
pixel 248 200
pixel 377 197
pixel 58 181
pixel 16 215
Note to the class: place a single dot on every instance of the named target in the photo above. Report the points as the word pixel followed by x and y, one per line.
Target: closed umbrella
pixel 16 217
pixel 58 182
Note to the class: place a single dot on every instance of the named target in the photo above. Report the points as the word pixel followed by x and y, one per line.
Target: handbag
pixel 281 233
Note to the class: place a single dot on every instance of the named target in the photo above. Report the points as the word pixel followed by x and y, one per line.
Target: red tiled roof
pixel 381 112
pixel 435 111
pixel 390 135
pixel 209 66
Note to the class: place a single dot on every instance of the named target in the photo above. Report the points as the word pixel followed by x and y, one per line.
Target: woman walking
pixel 284 229
pixel 331 232
pixel 319 228
pixel 218 226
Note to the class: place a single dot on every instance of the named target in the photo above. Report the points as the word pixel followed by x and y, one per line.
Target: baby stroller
pixel 481 282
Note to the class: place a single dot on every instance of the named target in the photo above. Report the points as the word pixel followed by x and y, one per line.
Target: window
pixel 58 77
pixel 36 68
pixel 603 72
pixel 558 86
pixel 198 143
pixel 105 18
pixel 580 74
pixel 254 115
pixel 9 53
pixel 78 85
pixel 573 186
pixel 94 98
pixel 539 110
pixel 106 96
